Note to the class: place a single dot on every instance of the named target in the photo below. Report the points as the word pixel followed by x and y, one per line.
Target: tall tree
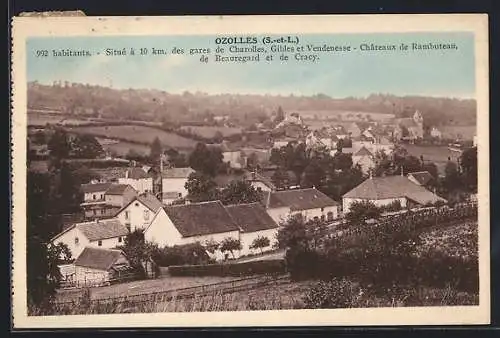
pixel 468 161
pixel 59 144
pixel 231 245
pixel 155 150
pixel 314 175
pixel 238 192
pixel 280 178
pixel 452 177
pixel 201 187
pixel 206 160
pixel 86 146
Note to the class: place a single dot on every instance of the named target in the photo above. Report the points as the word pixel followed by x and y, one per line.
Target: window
pixel 103 211
pixel 119 239
pixel 102 196
pixel 94 212
pixel 93 197
pixel 146 215
pixel 322 209
pixel 99 243
pixel 136 204
pixel 329 216
pixel 77 240
pixel 180 194
pixel 127 214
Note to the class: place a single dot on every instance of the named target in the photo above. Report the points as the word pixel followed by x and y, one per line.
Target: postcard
pixel 251 171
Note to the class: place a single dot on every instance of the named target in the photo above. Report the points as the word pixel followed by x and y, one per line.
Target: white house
pixel 254 222
pixel 311 203
pixel 106 233
pixel 139 212
pixel 383 191
pixel 94 192
pixel 365 159
pixel 435 132
pixel 119 194
pixel 174 180
pixel 138 179
pixel 197 222
pixel 98 266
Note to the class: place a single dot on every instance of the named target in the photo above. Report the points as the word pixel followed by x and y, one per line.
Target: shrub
pixel 336 293
pixel 233 269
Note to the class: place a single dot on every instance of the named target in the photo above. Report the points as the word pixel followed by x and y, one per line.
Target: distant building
pixel 138 179
pixel 192 223
pixel 97 266
pixel 139 212
pixel 174 181
pixel 436 133
pixel 365 159
pixel 422 178
pixel 282 142
pixel 106 233
pixel 260 182
pixel 321 138
pixel 410 129
pixel 311 203
pixel 254 222
pixel 118 195
pixel 383 191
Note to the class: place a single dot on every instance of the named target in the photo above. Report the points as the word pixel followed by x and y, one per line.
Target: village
pixel 226 202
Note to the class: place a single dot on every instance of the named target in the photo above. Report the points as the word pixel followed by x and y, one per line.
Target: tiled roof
pixel 251 217
pixel 422 177
pixel 177 173
pixel 98 258
pixel 363 152
pixel 377 188
pixel 136 173
pixel 201 218
pixel 102 229
pixel 117 189
pixel 96 187
pixel 300 199
pixel 150 201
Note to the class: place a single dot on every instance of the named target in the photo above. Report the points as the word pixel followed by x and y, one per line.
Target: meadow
pixel 137 134
pixel 210 131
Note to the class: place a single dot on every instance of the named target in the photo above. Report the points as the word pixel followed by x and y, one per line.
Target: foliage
pixel 86 146
pixel 187 254
pixel 260 243
pixel 361 211
pixel 211 246
pixel 452 176
pixel 393 206
pixel 155 150
pixel 335 293
pixel 206 160
pixel 59 144
pixel 138 251
pixel 468 161
pixel 230 244
pixel 280 178
pixel 201 187
pixel 239 192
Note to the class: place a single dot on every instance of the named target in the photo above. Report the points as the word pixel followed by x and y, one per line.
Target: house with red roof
pixel 383 191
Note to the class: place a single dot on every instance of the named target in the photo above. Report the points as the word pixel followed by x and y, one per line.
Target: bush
pixel 336 293
pixel 182 255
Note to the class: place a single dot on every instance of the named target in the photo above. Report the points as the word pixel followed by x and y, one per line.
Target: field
pixel 437 154
pixel 209 132
pixel 143 287
pixel 122 148
pixel 464 132
pixel 138 134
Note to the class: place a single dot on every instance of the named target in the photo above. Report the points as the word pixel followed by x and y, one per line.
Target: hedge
pixel 275 266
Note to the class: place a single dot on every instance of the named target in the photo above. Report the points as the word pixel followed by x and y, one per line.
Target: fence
pixel 236 285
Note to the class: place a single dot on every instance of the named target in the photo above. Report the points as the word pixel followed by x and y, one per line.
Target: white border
pixel 25 27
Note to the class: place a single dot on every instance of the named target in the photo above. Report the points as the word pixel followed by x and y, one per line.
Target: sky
pixel 359 74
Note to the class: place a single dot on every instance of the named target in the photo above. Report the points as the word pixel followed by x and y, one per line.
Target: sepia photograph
pixel 250 171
